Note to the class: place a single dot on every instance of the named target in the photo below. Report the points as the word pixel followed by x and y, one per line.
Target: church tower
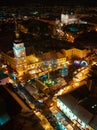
pixel 19 53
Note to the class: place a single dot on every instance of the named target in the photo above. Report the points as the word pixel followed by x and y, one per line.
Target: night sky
pixel 49 2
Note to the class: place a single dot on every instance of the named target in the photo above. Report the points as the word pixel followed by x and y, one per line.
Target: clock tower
pixel 19 53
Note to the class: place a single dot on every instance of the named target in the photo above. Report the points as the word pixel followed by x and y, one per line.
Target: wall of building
pixel 9 60
pixel 75 52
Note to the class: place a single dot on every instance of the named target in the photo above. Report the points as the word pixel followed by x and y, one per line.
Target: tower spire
pixel 17 33
pixel 19 52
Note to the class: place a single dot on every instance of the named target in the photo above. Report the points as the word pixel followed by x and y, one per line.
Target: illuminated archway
pixel 83 63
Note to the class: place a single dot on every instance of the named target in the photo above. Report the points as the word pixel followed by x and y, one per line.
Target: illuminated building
pixel 80 111
pixel 75 52
pixel 69 19
pixel 68 27
pixel 19 54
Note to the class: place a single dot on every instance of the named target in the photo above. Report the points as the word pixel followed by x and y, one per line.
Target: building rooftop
pixel 82 105
pixel 78 110
pixel 81 93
